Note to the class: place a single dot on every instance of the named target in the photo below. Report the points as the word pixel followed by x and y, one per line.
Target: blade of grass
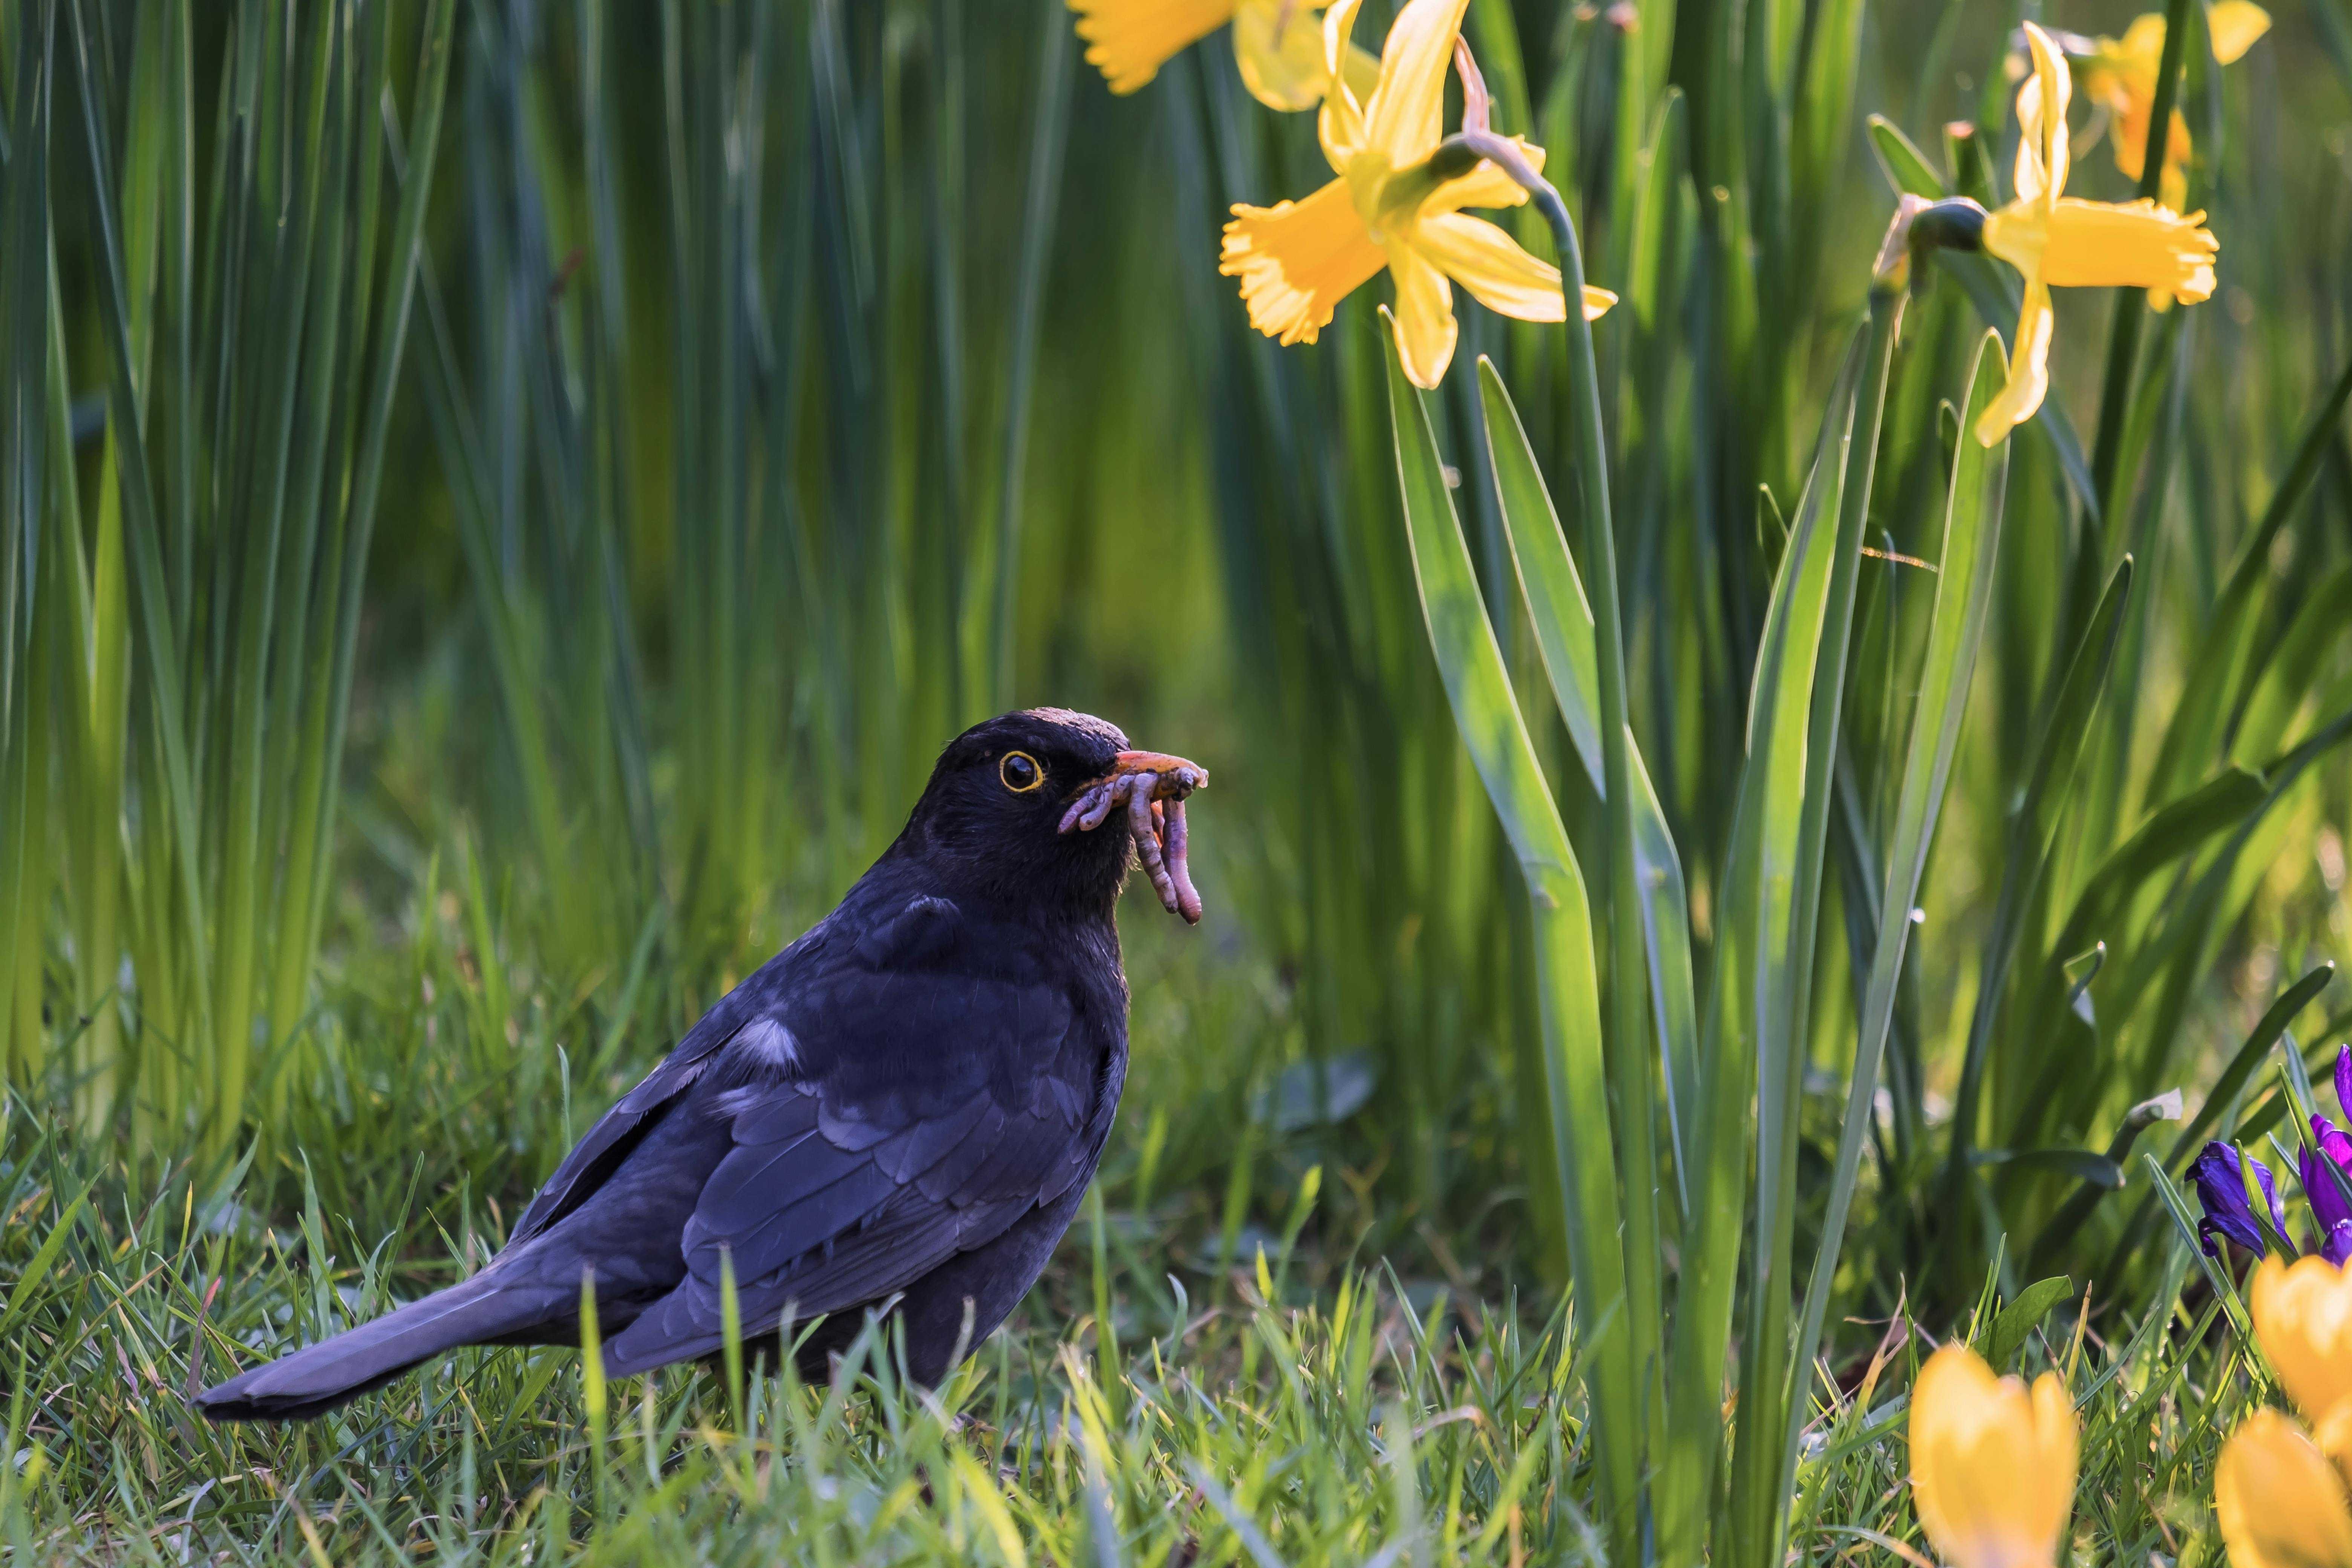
pixel 1564 637
pixel 1964 593
pixel 1487 714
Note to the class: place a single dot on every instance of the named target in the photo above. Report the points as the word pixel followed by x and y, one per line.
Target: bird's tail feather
pixel 319 1377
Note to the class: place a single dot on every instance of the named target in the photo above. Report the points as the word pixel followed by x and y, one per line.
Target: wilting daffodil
pixel 2059 240
pixel 1277 44
pixel 2120 74
pixel 1992 1465
pixel 1391 208
pixel 2281 1494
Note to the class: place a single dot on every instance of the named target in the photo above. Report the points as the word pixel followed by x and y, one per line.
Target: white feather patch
pixel 769 1042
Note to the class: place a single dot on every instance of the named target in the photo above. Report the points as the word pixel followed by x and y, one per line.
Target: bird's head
pixel 1050 803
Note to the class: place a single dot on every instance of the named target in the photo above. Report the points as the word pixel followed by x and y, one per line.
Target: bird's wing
pixel 932 1107
pixel 621 1129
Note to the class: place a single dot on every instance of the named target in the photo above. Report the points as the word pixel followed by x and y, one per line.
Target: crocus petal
pixel 1499 275
pixel 2129 244
pixel 2302 1319
pixel 2222 1188
pixel 2041 157
pixel 2029 369
pixel 1298 260
pixel 1405 114
pixel 1279 53
pixel 2335 1246
pixel 1130 40
pixel 2233 26
pixel 1992 1468
pixel 2329 1207
pixel 2333 1143
pixel 2280 1502
pixel 2344 1079
pixel 1485 185
pixel 1425 329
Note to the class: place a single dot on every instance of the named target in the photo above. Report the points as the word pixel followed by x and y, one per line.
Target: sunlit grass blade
pixel 1564 635
pixel 1487 714
pixel 1964 593
pixel 1747 997
pixel 1769 1385
pixel 2032 831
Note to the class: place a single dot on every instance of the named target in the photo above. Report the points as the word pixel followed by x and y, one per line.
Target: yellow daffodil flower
pixel 2059 240
pixel 2282 1504
pixel 1992 1465
pixel 2120 74
pixel 1298 260
pixel 1277 44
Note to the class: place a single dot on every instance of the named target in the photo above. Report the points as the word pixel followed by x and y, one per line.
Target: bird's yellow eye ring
pixel 1021 772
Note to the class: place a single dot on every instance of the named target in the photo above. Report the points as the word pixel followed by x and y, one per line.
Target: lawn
pixel 1756 836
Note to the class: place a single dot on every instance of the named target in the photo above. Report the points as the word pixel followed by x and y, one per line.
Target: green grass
pixel 502 502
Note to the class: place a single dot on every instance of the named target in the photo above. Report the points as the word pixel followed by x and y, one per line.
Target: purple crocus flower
pixel 2337 1246
pixel 2329 1207
pixel 2344 1079
pixel 2223 1191
pixel 2332 1142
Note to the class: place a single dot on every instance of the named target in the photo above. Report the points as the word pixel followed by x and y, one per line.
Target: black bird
pixel 905 1105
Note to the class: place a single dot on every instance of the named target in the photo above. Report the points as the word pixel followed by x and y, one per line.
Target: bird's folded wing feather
pixel 619 1130
pixel 932 1111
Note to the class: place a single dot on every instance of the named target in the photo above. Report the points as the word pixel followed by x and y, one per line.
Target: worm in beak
pixel 1151 785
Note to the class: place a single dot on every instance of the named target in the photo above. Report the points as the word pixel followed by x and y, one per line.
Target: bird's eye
pixel 1020 772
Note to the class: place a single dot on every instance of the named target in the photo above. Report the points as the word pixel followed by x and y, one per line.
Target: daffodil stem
pixel 2131 307
pixel 1629 1017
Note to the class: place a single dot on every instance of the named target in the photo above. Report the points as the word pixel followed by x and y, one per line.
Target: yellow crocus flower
pixel 1992 1465
pixel 1277 44
pixel 2120 73
pixel 1298 260
pixel 2302 1319
pixel 2281 1504
pixel 2057 240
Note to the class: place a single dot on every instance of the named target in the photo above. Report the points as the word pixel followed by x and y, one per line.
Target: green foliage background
pixel 505 500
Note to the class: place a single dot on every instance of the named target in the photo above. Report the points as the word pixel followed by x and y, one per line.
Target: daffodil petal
pixel 1361 72
pixel 2281 1504
pixel 2233 26
pixel 1491 264
pixel 1341 126
pixel 2302 1319
pixel 1485 185
pixel 2129 244
pixel 2029 369
pixel 1298 260
pixel 1499 274
pixel 1426 328
pixel 2042 103
pixel 1279 53
pixel 1992 1468
pixel 1130 40
pixel 1406 108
